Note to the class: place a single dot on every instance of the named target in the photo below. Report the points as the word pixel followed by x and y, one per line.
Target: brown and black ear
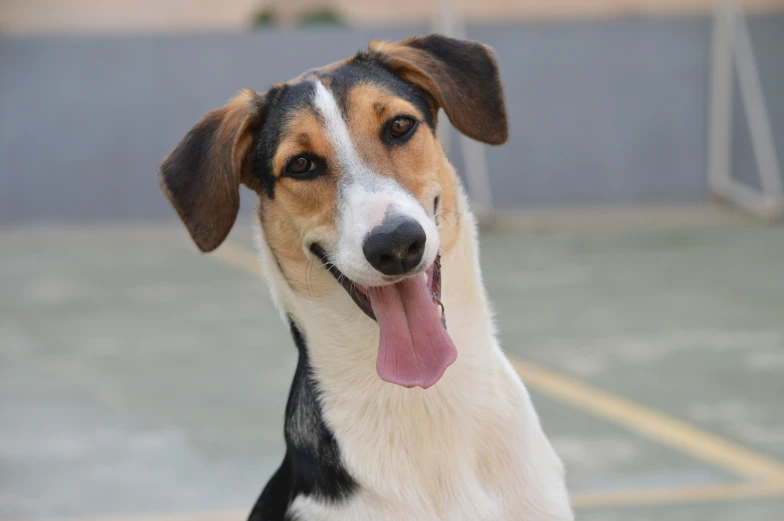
pixel 202 176
pixel 462 76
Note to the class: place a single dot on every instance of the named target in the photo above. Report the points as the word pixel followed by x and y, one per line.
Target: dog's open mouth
pixel 361 294
pixel 414 347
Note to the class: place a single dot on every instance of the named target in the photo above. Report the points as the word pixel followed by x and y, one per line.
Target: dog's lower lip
pixel 358 293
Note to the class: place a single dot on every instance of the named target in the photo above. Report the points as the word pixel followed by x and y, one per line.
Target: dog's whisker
pixel 308 278
pixel 443 211
pixel 443 221
pixel 440 215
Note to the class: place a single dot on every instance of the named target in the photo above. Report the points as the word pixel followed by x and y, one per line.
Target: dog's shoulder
pixel 312 465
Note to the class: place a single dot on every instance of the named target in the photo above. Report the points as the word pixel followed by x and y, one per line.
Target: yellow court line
pixel 579 500
pixel 667 431
pixel 656 496
pixel 234 515
pixel 637 418
pixel 767 472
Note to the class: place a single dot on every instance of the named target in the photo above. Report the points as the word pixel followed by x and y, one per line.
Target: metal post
pixel 756 112
pixel 476 174
pixel 732 48
pixel 720 109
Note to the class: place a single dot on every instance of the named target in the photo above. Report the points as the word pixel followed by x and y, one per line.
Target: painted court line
pixel 659 496
pixel 586 500
pixel 766 473
pixel 651 424
pixel 653 496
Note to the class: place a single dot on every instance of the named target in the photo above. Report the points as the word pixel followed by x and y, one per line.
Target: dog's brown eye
pixel 300 165
pixel 400 127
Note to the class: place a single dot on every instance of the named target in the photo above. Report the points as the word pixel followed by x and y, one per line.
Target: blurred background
pixel 631 242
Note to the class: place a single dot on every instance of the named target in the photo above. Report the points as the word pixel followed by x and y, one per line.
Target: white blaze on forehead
pixel 337 133
pixel 364 198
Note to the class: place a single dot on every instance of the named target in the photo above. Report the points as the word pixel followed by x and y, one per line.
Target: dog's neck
pixel 342 342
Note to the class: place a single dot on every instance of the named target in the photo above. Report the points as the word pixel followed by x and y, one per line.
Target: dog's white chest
pixel 472 506
pixel 472 453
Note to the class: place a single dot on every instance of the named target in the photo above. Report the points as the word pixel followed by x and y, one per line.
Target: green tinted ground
pixel 139 378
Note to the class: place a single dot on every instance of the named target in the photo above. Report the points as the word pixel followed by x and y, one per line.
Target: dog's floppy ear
pixel 462 76
pixel 201 177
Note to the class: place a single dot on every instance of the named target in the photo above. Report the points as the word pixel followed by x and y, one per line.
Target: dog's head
pixel 350 174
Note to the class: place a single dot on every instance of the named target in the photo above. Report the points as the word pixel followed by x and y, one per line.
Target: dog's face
pixel 347 164
pixel 355 152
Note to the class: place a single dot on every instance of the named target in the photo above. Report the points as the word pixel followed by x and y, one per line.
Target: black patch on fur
pixel 367 69
pixel 281 101
pixel 312 465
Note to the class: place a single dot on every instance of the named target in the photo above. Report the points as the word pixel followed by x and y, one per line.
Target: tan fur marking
pixel 308 208
pixel 419 165
pixel 470 91
pixel 300 207
pixel 381 109
pixel 302 133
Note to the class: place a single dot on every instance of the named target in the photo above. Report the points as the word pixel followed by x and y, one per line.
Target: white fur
pixel 364 198
pixel 470 448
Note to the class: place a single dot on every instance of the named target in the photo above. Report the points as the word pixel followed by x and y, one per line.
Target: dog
pixel 403 405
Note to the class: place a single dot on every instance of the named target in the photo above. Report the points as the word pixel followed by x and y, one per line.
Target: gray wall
pixel 601 112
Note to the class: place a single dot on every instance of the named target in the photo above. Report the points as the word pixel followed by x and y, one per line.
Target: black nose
pixel 395 247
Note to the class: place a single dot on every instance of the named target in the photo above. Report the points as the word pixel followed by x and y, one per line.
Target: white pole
pixel 757 114
pixel 720 109
pixel 476 174
pixel 732 47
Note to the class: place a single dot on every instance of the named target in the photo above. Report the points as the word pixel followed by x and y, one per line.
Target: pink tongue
pixel 413 348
